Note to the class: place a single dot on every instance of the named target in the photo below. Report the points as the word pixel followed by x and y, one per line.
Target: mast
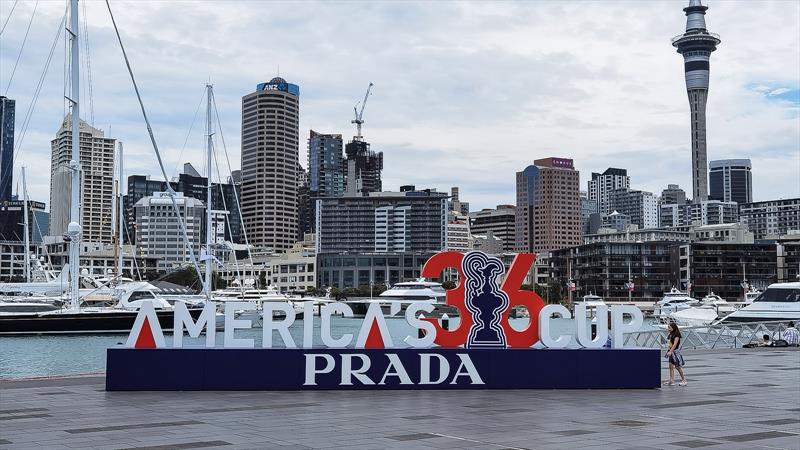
pixel 74 227
pixel 209 150
pixel 27 229
pixel 630 280
pixel 120 209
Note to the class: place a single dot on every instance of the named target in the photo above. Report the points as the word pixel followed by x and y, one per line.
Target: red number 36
pixel 455 297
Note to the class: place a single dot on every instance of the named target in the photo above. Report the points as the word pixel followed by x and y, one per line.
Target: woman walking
pixel 674 354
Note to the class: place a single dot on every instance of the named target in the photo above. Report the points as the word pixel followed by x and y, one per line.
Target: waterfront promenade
pixel 736 399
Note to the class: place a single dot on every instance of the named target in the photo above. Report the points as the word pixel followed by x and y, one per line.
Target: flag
pixel 205 256
pixel 629 286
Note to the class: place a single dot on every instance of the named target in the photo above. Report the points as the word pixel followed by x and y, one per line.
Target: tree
pixel 449 284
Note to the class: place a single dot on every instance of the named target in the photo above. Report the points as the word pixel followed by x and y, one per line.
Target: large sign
pixel 466 356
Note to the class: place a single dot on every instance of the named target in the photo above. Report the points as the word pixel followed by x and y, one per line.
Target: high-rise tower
pixel 696 45
pixel 270 153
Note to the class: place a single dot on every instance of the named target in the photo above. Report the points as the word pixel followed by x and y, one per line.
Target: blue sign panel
pixel 130 369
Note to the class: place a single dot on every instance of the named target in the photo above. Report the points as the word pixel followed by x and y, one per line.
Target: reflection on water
pixel 36 356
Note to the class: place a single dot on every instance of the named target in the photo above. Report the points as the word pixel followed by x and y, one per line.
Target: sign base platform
pixel 212 369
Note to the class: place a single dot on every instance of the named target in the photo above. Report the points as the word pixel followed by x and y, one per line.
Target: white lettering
pixel 348 372
pixel 207 319
pixel 544 326
pixel 232 323
pixel 308 324
pixel 420 324
pixel 399 370
pixel 621 327
pixel 471 371
pixel 281 326
pixel 325 325
pixel 584 339
pixel 311 367
pixel 374 315
pixel 148 312
pixel 425 368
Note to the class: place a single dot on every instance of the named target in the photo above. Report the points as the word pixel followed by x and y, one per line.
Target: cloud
pixel 466 93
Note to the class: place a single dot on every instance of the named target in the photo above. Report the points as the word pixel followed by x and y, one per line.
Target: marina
pixel 736 399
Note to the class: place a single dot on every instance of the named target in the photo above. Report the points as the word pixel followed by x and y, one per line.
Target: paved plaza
pixel 736 399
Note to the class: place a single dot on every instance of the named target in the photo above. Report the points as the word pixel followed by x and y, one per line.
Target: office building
pixel 350 270
pixel 499 222
pixel 771 218
pixel 588 207
pixel 456 204
pixel 602 268
pixel 789 258
pixel 325 165
pixel 139 187
pixel 735 233
pixel 100 259
pixel 270 154
pixel 640 206
pixel 629 235
pixel 382 222
pixel 7 113
pixel 223 198
pixel 97 182
pixel 722 266
pixel 487 243
pixel 603 184
pixel 306 202
pixel 673 195
pixel 696 45
pixel 710 212
pixel 548 214
pixel 295 270
pixel 363 168
pixel 730 180
pixel 12 221
pixel 159 233
pixel 458 233
pixel 609 223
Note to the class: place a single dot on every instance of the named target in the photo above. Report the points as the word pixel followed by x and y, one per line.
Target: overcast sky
pixel 466 93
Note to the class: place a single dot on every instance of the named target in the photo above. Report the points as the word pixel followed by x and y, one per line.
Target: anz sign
pixel 280 86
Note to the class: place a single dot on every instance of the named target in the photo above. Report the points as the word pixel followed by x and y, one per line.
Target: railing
pixel 699 35
pixel 727 335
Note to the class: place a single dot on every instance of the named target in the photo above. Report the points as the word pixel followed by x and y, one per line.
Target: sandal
pixel 669 383
pixel 682 383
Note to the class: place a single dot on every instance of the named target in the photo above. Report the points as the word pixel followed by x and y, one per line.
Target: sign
pixel 467 356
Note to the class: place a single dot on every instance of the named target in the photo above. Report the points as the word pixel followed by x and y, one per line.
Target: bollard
pixel 445 322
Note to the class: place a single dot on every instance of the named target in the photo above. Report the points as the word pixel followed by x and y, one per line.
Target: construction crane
pixel 360 114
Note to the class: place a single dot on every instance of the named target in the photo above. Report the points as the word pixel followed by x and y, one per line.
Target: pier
pixel 743 398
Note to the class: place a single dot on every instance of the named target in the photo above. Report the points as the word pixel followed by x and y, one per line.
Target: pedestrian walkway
pixel 746 399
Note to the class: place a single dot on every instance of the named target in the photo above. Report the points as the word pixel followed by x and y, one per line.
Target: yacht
pixel 779 302
pixel 591 302
pixel 119 318
pixel 710 308
pixel 751 295
pixel 414 291
pixel 673 301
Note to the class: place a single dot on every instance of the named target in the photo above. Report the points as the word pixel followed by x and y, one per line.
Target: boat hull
pixel 82 323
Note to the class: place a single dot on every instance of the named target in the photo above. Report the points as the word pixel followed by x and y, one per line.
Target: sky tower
pixel 696 45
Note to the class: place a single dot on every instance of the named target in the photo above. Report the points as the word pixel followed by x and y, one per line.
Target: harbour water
pixel 60 355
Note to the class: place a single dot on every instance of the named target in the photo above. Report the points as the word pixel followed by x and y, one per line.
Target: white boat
pixel 710 308
pixel 414 291
pixel 591 302
pixel 673 301
pixel 779 302
pixel 751 295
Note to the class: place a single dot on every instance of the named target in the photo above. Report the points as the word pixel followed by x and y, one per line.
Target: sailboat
pixel 127 297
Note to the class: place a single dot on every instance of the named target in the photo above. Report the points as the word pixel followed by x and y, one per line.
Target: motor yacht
pixel 673 301
pixel 591 301
pixel 118 318
pixel 399 296
pixel 779 302
pixel 710 308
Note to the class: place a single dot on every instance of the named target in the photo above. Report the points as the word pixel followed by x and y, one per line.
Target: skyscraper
pixel 673 195
pixel 270 153
pixel 548 215
pixel 603 184
pixel 696 45
pixel 97 182
pixel 730 180
pixel 362 168
pixel 325 165
pixel 7 109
